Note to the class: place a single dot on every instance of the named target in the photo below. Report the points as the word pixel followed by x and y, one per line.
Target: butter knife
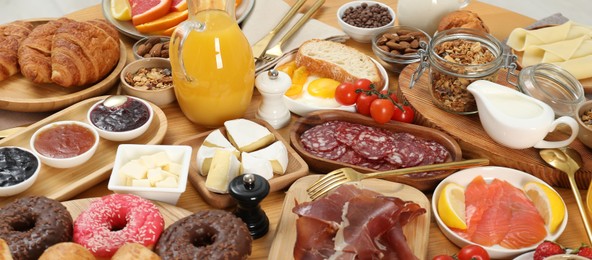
pixel 260 47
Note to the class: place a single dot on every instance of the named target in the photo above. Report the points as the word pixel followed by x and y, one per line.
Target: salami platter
pixel 325 165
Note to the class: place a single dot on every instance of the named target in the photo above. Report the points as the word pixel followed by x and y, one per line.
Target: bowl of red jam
pixel 65 144
pixel 19 168
pixel 120 118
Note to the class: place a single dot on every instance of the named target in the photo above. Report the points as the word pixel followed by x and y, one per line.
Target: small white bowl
pixel 70 161
pixel 27 183
pixel 516 178
pixel 359 34
pixel 159 97
pixel 180 154
pixel 122 135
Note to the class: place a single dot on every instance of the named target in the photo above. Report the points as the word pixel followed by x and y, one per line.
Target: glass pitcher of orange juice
pixel 212 64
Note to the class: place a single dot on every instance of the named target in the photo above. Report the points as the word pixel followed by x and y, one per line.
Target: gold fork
pixel 276 51
pixel 343 175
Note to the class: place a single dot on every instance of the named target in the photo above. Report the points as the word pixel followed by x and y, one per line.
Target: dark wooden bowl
pixel 322 165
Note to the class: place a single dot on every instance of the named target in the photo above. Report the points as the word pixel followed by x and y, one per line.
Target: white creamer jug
pixel 426 14
pixel 516 120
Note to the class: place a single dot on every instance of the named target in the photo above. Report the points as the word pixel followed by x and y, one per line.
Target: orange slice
pixel 167 32
pixel 144 11
pixel 163 23
pixel 179 5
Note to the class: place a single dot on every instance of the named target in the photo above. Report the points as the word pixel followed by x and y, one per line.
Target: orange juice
pixel 213 69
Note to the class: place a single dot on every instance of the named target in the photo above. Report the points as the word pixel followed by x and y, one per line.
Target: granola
pixel 449 88
pixel 150 78
pixel 587 118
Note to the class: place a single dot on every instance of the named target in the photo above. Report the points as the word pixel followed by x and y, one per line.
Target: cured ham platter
pixel 416 231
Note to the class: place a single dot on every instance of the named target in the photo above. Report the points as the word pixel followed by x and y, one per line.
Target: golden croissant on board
pixel 11 36
pixel 69 53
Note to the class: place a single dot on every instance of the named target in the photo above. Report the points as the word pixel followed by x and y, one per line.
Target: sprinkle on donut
pixel 116 219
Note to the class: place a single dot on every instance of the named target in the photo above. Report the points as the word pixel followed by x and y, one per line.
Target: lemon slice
pixel 121 10
pixel 547 202
pixel 451 206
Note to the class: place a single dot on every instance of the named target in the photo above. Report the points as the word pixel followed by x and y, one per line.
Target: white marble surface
pixel 577 10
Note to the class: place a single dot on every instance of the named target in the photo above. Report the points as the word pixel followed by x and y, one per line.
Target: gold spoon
pixel 569 161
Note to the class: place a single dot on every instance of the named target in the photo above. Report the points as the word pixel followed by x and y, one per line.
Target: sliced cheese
pixel 225 166
pixel 277 154
pixel 256 165
pixel 248 136
pixel 134 169
pixel 204 157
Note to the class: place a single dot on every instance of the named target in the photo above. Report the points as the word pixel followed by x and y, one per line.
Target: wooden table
pixel 500 21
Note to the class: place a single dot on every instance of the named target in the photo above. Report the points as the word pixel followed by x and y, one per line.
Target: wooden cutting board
pixel 416 231
pixel 474 141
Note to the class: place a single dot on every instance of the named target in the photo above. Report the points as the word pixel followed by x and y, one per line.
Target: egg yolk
pixel 298 79
pixel 323 88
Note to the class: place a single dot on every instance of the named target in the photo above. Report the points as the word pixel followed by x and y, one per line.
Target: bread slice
pixel 337 61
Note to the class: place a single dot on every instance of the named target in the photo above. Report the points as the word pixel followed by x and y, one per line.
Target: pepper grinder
pixel 272 86
pixel 249 190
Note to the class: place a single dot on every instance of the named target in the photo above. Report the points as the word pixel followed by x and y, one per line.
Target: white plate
pixel 127 28
pixel 514 177
pixel 301 109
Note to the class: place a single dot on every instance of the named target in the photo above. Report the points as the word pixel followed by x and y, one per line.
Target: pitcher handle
pixel 180 35
pixel 569 121
pixel 464 3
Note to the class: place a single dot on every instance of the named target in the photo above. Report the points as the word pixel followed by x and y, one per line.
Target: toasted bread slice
pixel 337 61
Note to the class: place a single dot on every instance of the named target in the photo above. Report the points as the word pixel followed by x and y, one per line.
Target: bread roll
pixel 134 251
pixel 11 37
pixel 34 54
pixel 66 251
pixel 462 19
pixel 337 61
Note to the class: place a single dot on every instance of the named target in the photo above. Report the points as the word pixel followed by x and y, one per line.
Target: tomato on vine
pixel 346 94
pixel 403 113
pixel 382 110
pixel 363 84
pixel 443 257
pixel 363 103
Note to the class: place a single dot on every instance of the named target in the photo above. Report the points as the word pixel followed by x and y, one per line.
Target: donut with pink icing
pixel 116 219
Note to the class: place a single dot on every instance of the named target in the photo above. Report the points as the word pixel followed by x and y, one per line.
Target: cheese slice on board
pixel 520 38
pixel 247 135
pixel 276 154
pixel 225 166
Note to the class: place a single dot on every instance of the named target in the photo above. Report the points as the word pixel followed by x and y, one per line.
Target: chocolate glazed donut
pixel 30 225
pixel 208 234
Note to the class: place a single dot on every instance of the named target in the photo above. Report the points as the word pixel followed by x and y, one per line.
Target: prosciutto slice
pixel 354 223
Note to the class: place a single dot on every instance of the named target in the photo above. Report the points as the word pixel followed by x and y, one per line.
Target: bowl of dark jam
pixel 19 169
pixel 65 144
pixel 120 118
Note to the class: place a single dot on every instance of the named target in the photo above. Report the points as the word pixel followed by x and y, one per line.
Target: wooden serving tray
pixel 296 169
pixel 62 184
pixel 169 212
pixel 17 93
pixel 323 165
pixel 474 141
pixel 416 232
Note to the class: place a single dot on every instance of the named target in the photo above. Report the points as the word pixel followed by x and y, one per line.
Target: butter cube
pixel 158 159
pixel 134 169
pixel 173 168
pixel 155 175
pixel 169 182
pixel 141 183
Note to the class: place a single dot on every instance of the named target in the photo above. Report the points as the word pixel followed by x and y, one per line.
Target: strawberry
pixel 584 251
pixel 547 248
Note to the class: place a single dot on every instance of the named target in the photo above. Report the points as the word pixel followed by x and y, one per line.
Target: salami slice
pixel 351 157
pixel 440 152
pixel 347 133
pixel 334 154
pixel 373 145
pixel 320 138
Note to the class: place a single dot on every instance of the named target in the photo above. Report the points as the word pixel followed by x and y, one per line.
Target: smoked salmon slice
pixel 499 213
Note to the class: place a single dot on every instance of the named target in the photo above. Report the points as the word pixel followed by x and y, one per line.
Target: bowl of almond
pixel 398 46
pixel 152 47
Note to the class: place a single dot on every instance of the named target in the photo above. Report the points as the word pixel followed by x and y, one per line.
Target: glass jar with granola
pixel 456 58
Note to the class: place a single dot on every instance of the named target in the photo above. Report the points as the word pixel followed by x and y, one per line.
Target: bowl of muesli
pixel 584 117
pixel 149 79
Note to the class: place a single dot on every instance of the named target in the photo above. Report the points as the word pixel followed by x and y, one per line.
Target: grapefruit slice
pixel 179 5
pixel 163 23
pixel 144 11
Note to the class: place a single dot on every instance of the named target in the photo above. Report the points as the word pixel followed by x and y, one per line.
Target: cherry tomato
pixel 443 257
pixel 390 94
pixel 473 252
pixel 382 110
pixel 346 94
pixel 363 103
pixel 406 115
pixel 363 84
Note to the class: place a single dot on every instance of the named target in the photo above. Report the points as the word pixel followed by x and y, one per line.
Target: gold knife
pixel 10 131
pixel 260 47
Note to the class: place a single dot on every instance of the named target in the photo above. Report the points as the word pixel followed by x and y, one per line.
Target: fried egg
pixel 319 92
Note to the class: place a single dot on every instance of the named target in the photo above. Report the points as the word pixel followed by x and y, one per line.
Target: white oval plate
pixel 301 109
pixel 512 176
pixel 128 29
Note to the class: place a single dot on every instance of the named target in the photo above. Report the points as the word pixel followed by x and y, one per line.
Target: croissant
pixel 34 54
pixel 83 52
pixel 11 37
